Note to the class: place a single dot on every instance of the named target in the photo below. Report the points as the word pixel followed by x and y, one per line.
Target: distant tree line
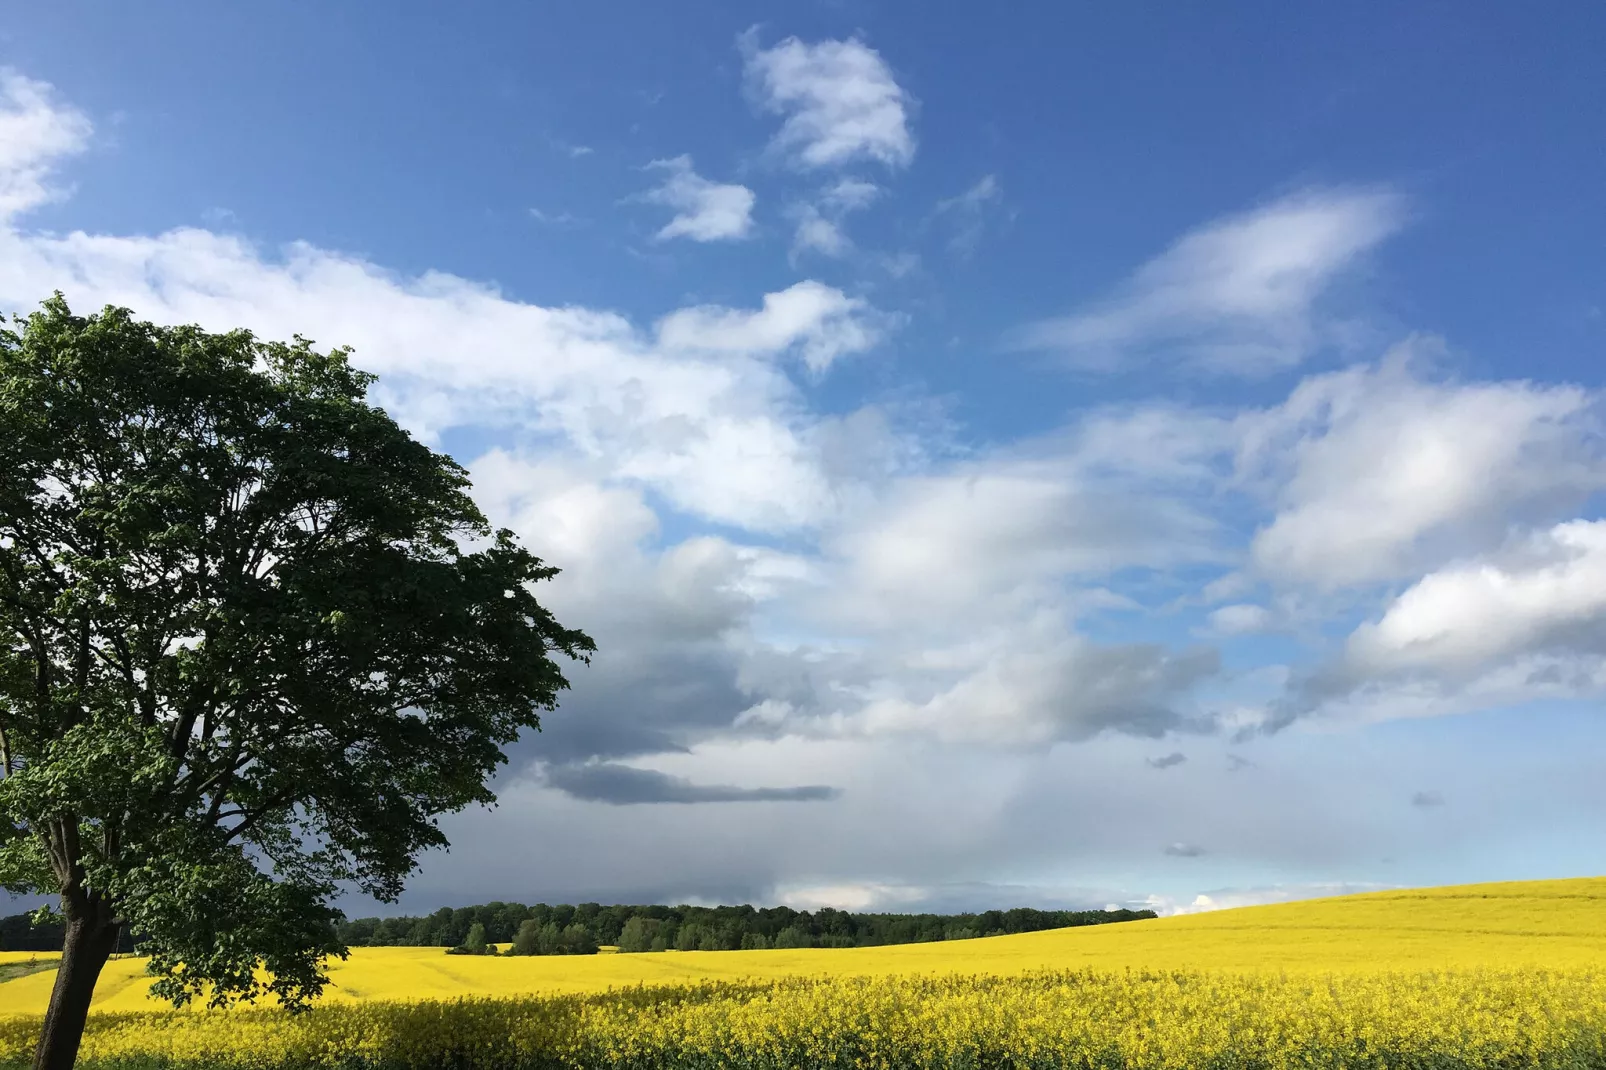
pixel 19 933
pixel 580 930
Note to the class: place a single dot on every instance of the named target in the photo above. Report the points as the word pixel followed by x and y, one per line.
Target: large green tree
pixel 254 639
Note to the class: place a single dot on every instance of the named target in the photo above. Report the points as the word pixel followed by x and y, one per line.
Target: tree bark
pixel 92 933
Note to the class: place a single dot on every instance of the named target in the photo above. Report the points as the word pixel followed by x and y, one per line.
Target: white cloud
pixel 1381 472
pixel 850 194
pixel 840 100
pixel 1025 685
pixel 932 620
pixel 697 409
pixel 1543 594
pixel 705 211
pixel 1007 533
pixel 968 214
pixel 817 234
pixel 819 224
pixel 1236 296
pixel 552 219
pixel 1231 898
pixel 712 425
pixel 1240 619
pixel 851 897
pixel 36 131
pixel 821 321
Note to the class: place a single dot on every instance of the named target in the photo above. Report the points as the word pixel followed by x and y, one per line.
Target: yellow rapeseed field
pixel 1476 975
pixel 8 957
pixel 1527 923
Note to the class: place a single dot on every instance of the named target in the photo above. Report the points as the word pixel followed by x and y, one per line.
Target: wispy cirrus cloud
pixel 966 214
pixel 1237 296
pixel 820 222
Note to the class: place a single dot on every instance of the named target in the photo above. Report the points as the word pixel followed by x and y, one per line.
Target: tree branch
pixel 273 802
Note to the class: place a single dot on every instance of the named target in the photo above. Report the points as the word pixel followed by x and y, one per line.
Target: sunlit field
pixel 1494 974
pixel 1528 923
pixel 8 957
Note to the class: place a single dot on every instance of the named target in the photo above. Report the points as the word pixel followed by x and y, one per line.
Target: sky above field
pixel 1033 454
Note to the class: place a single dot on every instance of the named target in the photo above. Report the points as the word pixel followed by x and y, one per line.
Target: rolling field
pixel 1490 975
pixel 1520 924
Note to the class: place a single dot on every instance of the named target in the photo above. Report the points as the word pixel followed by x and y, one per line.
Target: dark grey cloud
pixel 1174 758
pixel 637 698
pixel 1184 850
pixel 622 785
pixel 1134 689
pixel 1427 798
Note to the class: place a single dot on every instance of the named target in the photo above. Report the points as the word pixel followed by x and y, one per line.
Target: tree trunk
pixel 91 937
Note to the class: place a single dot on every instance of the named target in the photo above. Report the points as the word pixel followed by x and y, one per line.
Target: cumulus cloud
pixel 664 675
pixel 1545 594
pixel 36 131
pixel 623 785
pixel 821 321
pixel 704 211
pixel 1380 471
pixel 697 409
pixel 1040 693
pixel 1237 296
pixel 862 601
pixel 1523 623
pixel 840 100
pixel 1005 533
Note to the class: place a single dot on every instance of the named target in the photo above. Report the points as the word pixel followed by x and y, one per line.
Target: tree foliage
pixel 254 638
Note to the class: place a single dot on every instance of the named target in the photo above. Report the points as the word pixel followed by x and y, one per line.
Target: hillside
pixel 1530 923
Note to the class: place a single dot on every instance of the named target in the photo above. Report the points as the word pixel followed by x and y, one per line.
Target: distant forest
pixel 560 930
pixel 544 929
pixel 17 933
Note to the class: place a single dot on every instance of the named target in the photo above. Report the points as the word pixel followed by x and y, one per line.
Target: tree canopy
pixel 254 638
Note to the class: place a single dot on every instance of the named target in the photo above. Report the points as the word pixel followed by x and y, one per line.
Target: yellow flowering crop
pixel 1134 1021
pixel 1508 975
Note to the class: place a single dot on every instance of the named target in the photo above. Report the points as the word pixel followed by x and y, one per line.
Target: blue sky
pixel 945 418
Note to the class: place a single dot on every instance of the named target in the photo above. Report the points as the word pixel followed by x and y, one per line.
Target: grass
pixel 15 964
